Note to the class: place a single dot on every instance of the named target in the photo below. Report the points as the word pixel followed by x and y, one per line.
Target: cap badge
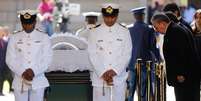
pixel 27 16
pixel 109 10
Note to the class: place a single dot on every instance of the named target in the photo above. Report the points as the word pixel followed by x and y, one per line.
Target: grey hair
pixel 159 17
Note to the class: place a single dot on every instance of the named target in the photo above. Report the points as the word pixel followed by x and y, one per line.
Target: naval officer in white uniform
pixel 91 19
pixel 109 51
pixel 28 55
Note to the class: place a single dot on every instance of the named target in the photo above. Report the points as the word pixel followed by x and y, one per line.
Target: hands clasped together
pixel 28 74
pixel 108 76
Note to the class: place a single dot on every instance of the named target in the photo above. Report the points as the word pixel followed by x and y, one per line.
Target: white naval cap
pixel 28 16
pixel 138 10
pixel 91 14
pixel 110 9
pixel 28 11
pixel 113 5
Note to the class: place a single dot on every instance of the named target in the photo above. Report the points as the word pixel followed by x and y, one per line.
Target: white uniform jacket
pixel 109 48
pixel 29 50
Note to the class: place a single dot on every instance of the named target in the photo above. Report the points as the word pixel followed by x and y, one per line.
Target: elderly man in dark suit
pixel 182 63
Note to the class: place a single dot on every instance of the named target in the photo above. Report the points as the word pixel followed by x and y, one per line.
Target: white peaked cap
pixel 91 14
pixel 31 12
pixel 113 5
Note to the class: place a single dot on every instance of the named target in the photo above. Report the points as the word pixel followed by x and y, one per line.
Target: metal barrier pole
pixel 156 82
pixel 138 69
pixel 148 81
pixel 162 80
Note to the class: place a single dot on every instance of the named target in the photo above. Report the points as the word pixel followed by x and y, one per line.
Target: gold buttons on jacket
pixel 29 62
pixel 28 36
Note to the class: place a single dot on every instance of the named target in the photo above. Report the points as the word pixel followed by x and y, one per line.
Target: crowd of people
pixel 113 51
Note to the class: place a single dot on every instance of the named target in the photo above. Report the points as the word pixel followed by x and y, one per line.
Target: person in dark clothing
pixel 5 73
pixel 172 17
pixel 182 63
pixel 197 43
pixel 144 47
pixel 173 7
pixel 196 26
pixel 2 63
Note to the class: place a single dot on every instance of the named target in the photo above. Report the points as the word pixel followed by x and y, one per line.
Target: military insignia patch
pixel 119 40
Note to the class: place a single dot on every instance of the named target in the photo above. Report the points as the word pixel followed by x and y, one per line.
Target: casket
pixel 69 72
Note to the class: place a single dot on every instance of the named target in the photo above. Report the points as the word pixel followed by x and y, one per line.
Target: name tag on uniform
pixel 100 40
pixel 20 42
pixel 119 40
pixel 37 41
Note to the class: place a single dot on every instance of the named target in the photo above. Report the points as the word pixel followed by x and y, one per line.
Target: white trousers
pixel 118 93
pixel 31 95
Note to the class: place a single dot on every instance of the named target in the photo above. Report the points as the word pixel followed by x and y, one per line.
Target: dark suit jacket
pixel 185 24
pixel 180 55
pixel 197 38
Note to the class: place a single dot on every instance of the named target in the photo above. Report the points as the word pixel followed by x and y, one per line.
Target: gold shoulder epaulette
pixel 123 25
pixel 97 26
pixel 14 32
pixel 40 30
